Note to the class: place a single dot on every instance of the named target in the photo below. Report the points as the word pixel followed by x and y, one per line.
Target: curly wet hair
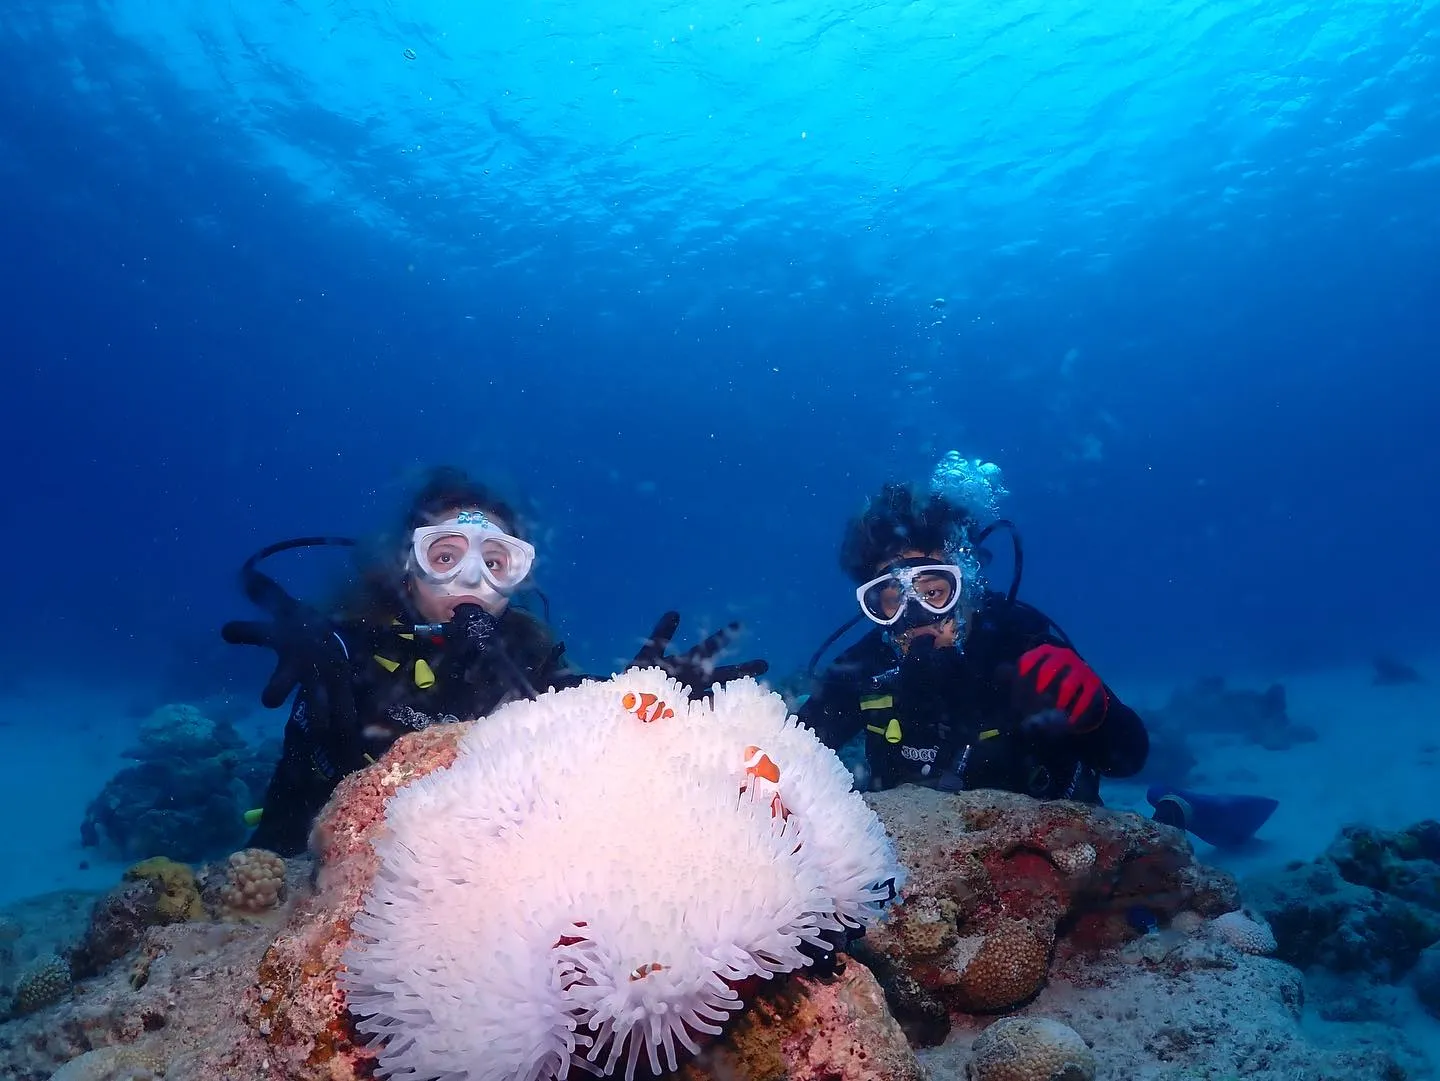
pixel 896 519
pixel 447 488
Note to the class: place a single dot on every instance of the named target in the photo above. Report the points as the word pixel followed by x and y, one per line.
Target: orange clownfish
pixel 761 769
pixel 647 707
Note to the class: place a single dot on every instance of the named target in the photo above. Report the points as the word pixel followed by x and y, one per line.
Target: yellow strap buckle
pixel 891 731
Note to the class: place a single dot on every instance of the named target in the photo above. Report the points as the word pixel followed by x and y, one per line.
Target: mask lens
pixel 881 599
pixel 501 562
pixel 442 555
pixel 935 590
pixel 933 587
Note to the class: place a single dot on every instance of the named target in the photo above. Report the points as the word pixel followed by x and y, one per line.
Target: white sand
pixel 62 744
pixel 1377 761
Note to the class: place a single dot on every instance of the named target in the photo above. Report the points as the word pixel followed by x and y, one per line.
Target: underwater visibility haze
pixel 697 278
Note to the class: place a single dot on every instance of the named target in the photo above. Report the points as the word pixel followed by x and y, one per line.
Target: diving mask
pixel 926 591
pixel 469 555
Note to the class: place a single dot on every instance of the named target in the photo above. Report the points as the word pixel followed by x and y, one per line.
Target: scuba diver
pixel 958 686
pixel 429 633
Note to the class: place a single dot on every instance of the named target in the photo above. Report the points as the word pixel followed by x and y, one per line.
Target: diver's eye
pixel 934 591
pixel 445 554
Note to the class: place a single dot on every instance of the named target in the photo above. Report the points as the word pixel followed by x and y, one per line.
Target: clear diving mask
pixel 913 591
pixel 469 555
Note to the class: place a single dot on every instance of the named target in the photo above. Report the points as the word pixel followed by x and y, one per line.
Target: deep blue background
pixel 698 367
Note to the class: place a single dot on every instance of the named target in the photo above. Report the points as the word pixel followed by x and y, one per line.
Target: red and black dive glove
pixel 1058 693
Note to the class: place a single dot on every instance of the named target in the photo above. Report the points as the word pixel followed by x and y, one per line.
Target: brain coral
pixel 1003 968
pixel 1030 1049
pixel 596 875
pixel 43 984
pixel 1245 932
pixel 254 880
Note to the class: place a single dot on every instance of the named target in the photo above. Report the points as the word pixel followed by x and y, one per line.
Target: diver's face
pixel 944 633
pixel 431 600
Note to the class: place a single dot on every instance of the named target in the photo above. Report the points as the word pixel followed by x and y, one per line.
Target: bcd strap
pixel 424 675
pixel 890 731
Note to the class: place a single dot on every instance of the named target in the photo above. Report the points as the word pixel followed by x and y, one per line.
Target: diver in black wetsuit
pixel 958 686
pixel 961 687
pixel 430 634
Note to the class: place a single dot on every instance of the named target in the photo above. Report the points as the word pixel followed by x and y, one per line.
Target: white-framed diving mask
pixel 469 555
pixel 933 588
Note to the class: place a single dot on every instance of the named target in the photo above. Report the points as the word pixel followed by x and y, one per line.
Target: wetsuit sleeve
pixel 1119 747
pixel 833 712
pixel 302 782
pixel 317 752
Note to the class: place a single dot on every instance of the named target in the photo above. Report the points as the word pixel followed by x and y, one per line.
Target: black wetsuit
pixel 951 719
pixel 394 694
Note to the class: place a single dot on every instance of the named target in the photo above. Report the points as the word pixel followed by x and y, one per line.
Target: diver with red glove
pixel 958 686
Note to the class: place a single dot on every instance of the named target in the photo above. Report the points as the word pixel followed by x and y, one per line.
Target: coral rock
pixel 1371 904
pixel 1245 932
pixel 297 1010
pixel 45 983
pixel 1030 1049
pixel 1427 981
pixel 254 880
pixel 1211 706
pixel 180 893
pixel 117 923
pixel 1012 870
pixel 808 1029
pixel 1005 966
pixel 113 1064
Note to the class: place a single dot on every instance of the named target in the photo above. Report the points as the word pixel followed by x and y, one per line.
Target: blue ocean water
pixel 695 279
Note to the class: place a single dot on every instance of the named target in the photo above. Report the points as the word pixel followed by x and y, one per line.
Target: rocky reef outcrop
pixel 187 793
pixel 1000 884
pixel 1098 928
pixel 1362 920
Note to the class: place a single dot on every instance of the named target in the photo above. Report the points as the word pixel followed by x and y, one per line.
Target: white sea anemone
pixel 595 874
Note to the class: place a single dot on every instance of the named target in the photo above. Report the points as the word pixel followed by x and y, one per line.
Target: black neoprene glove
pixel 696 668
pixel 472 630
pixel 309 655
